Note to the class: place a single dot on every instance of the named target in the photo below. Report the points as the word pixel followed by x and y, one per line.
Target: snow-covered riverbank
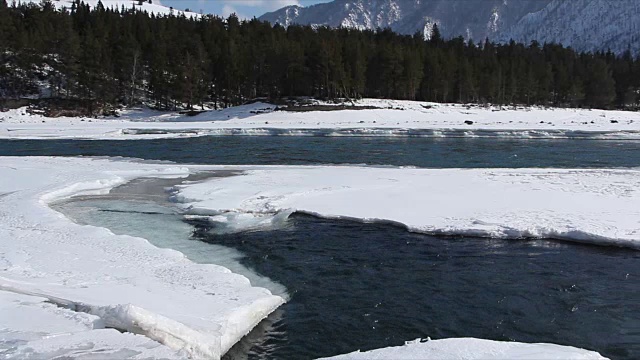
pixel 71 282
pixel 390 118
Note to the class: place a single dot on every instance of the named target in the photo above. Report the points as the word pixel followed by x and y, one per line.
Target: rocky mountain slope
pixel 582 24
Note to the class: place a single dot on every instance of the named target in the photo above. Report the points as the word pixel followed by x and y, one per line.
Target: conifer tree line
pixel 125 56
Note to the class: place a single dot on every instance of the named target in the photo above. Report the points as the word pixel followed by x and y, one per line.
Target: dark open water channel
pixel 364 286
pixel 421 152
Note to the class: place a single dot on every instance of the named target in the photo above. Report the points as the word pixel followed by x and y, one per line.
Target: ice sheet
pixel 591 206
pixel 473 349
pixel 34 328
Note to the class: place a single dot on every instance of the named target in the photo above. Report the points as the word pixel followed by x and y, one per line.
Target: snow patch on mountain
pixel 153 7
pixel 474 19
pixel 427 31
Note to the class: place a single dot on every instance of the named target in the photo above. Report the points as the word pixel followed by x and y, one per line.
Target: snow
pixel 589 206
pixel 155 7
pixel 585 25
pixel 473 349
pixel 390 118
pixel 35 328
pixel 408 16
pixel 148 213
pixel 74 281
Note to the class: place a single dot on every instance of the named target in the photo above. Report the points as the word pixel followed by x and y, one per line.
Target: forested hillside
pixel 124 56
pixel 585 25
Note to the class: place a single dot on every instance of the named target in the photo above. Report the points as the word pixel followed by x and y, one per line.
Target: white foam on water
pixel 230 222
pixel 391 132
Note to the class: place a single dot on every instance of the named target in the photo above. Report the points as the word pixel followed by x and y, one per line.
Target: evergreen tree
pixel 600 88
pixel 436 37
pixel 126 56
pixel 576 94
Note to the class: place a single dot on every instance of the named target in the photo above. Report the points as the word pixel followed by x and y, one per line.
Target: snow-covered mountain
pixel 583 24
pixel 155 6
pixel 475 19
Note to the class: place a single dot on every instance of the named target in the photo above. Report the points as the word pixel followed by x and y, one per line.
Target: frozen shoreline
pixel 104 281
pixel 391 118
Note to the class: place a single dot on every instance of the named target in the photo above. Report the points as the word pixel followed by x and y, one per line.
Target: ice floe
pixel 598 206
pixel 100 280
pixel 33 327
pixel 473 349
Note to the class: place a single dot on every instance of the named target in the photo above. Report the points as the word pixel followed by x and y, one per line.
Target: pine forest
pixel 128 57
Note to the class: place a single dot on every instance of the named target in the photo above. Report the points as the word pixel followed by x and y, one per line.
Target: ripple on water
pixel 364 286
pixel 421 152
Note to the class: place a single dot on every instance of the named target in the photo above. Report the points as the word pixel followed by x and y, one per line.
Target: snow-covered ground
pixel 33 327
pixel 591 206
pixel 62 284
pixel 473 349
pixel 391 118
